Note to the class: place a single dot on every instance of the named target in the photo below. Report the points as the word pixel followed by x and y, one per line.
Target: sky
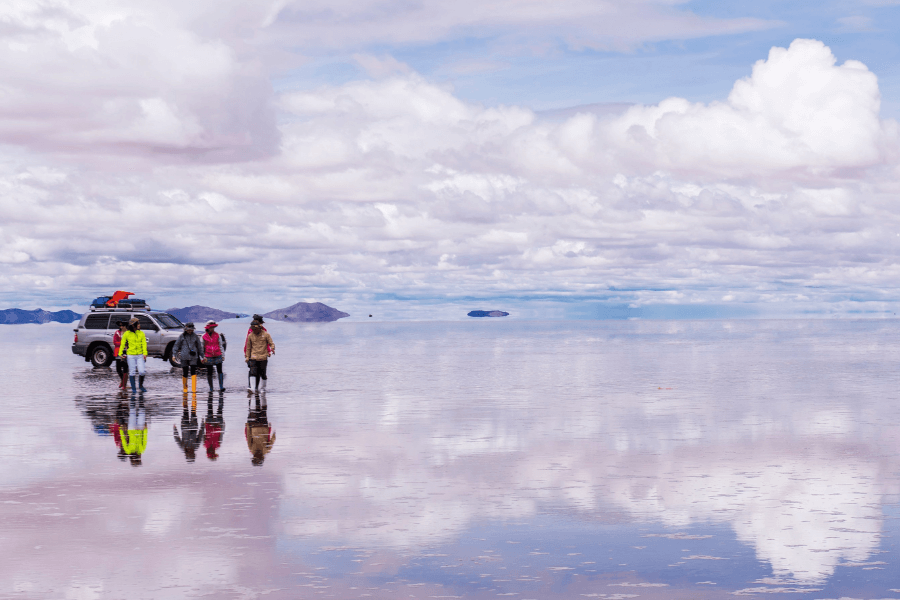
pixel 574 159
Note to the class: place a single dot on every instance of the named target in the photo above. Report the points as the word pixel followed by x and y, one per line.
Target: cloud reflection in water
pixel 665 451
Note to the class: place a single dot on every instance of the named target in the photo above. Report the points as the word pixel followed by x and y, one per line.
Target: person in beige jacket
pixel 257 350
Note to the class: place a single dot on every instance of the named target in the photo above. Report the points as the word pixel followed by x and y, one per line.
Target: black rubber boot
pixel 141 383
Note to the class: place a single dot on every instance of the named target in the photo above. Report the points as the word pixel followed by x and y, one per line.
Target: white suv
pixel 94 334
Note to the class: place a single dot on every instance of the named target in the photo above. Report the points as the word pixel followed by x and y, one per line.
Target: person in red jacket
pixel 214 345
pixel 121 364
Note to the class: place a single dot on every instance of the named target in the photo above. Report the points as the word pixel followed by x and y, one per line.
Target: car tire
pixel 175 361
pixel 101 356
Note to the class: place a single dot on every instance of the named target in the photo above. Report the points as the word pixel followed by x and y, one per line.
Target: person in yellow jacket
pixel 134 347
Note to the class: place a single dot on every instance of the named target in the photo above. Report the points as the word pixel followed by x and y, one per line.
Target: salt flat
pixel 497 458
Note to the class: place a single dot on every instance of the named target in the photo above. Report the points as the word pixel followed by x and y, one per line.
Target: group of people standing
pixel 193 350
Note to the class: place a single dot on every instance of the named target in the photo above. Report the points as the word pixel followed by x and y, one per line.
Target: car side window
pixel 97 322
pixel 147 324
pixel 118 317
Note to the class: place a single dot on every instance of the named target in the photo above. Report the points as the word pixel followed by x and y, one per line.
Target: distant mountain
pixel 201 314
pixel 16 316
pixel 306 312
pixel 488 313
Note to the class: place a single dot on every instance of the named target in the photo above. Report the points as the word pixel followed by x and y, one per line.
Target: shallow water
pixel 471 460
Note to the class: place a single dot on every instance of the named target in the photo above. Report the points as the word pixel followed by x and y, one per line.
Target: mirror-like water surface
pixel 468 460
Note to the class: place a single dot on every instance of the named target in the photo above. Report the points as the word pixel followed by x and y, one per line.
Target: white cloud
pixel 606 24
pixel 798 110
pixel 126 77
pixel 396 185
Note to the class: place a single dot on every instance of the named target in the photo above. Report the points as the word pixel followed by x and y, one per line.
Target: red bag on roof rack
pixel 118 300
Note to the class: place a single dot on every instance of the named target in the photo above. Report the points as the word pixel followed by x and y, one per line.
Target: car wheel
pixel 175 361
pixel 101 356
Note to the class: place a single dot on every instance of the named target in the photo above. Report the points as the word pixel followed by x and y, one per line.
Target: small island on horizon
pixel 488 313
pixel 201 314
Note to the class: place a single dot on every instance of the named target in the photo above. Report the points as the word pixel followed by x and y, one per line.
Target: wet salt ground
pixel 472 460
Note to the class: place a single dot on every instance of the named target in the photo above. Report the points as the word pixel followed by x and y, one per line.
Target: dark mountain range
pixel 306 312
pixel 16 316
pixel 488 313
pixel 201 314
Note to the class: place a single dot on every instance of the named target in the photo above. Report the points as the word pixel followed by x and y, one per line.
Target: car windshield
pixel 167 321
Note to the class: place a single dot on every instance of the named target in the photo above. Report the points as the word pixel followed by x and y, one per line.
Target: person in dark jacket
pixel 189 349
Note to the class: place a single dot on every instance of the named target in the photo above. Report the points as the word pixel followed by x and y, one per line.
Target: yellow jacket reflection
pixel 134 438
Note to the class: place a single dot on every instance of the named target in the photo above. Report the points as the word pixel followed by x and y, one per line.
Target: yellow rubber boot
pixel 184 385
pixel 193 384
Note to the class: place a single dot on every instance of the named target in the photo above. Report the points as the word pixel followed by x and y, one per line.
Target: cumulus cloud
pixel 127 76
pixel 780 193
pixel 798 110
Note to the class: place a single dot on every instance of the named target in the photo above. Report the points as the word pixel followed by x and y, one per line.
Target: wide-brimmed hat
pixel 189 325
pixel 134 321
pixel 210 324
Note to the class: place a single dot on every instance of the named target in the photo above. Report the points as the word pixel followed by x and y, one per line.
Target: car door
pixel 151 330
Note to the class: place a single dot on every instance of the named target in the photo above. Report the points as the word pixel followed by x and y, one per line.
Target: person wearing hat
pixel 256 318
pixel 134 348
pixel 214 345
pixel 189 348
pixel 259 319
pixel 121 363
pixel 259 347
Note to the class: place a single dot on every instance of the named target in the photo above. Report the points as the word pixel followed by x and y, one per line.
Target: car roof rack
pixel 105 309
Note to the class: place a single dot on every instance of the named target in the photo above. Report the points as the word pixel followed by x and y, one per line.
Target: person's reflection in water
pixel 134 438
pixel 213 427
pixel 191 435
pixel 119 427
pixel 259 434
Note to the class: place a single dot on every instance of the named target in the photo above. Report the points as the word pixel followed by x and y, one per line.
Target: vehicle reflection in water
pixel 258 432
